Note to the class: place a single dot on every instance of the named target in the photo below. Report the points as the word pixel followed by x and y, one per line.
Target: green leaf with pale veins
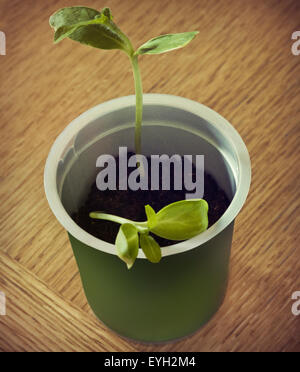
pixel 127 244
pixel 166 43
pixel 151 248
pixel 182 220
pixel 72 15
pixel 90 27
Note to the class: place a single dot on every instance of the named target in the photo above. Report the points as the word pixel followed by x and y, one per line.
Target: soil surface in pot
pixel 131 204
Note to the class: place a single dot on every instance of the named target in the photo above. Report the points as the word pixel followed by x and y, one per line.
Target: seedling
pixel 178 221
pixel 97 29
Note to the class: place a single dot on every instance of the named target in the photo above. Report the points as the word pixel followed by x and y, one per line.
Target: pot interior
pixel 165 131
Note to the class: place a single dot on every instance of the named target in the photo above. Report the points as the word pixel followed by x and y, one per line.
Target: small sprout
pixel 177 221
pixel 97 29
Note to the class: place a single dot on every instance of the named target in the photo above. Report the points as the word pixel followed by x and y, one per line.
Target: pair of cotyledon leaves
pixel 177 221
pixel 97 29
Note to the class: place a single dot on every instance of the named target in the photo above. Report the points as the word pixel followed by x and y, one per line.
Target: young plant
pixel 97 29
pixel 178 221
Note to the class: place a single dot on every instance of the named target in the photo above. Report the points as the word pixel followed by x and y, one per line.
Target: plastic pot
pixel 172 299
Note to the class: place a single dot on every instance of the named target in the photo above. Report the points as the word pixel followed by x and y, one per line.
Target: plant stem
pixel 139 103
pixel 141 226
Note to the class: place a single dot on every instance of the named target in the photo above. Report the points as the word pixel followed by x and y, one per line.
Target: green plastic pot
pixel 172 299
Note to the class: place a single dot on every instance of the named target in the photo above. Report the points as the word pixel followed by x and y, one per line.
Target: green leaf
pixel 151 216
pixel 89 26
pixel 67 29
pixel 72 15
pixel 151 248
pixel 166 43
pixel 182 220
pixel 127 244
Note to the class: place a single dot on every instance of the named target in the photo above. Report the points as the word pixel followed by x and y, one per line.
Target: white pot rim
pixel 216 120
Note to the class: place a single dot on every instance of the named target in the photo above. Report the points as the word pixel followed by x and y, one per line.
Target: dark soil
pixel 131 204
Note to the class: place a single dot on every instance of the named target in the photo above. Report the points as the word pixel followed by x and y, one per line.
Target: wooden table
pixel 241 65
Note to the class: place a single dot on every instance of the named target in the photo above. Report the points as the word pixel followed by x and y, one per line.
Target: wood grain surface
pixel 241 65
